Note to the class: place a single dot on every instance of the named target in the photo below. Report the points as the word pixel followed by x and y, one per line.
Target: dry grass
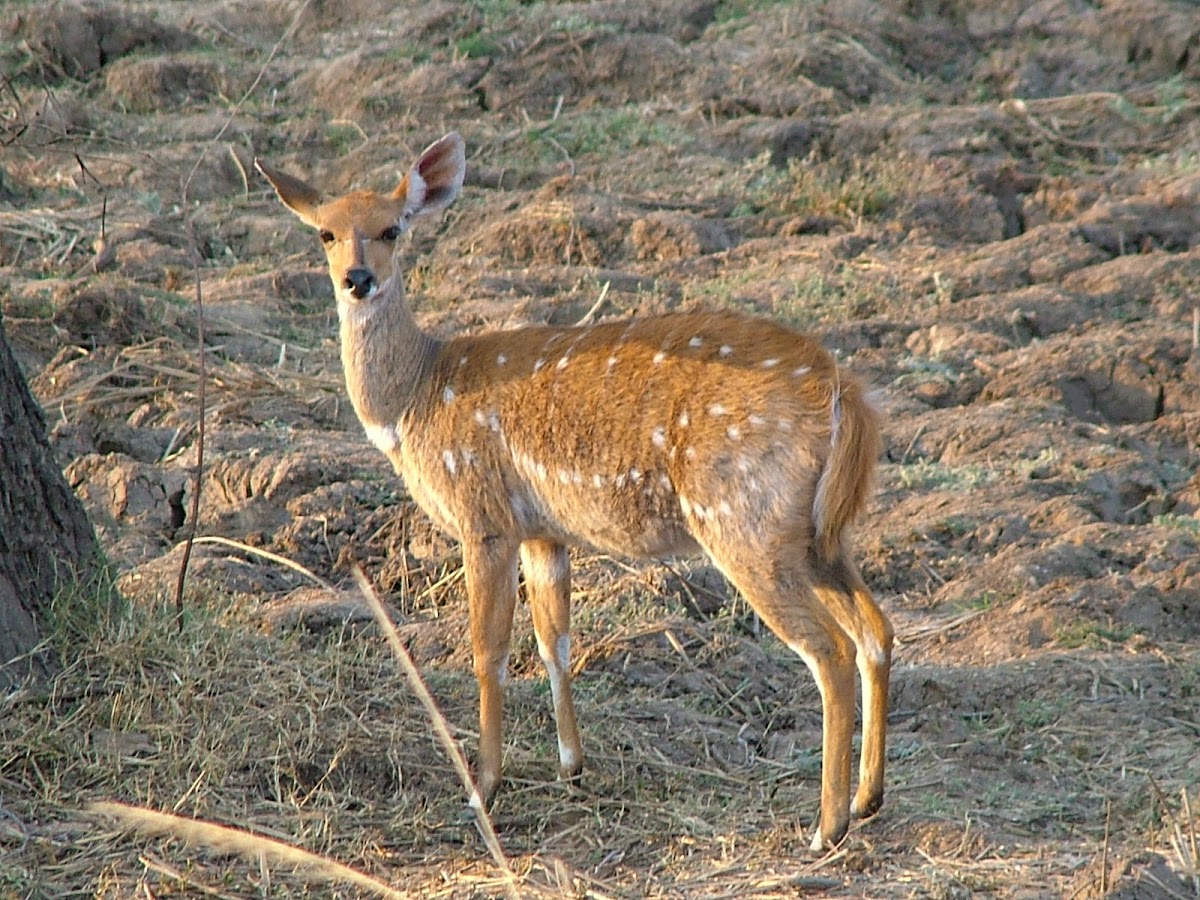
pixel 701 769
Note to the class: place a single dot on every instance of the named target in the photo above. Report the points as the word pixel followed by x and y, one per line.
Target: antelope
pixel 648 438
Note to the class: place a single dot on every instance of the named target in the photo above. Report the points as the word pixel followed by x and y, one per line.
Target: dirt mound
pixel 77 40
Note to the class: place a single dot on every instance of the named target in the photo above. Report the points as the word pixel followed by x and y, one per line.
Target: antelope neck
pixel 386 356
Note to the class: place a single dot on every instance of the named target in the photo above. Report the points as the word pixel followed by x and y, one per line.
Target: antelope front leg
pixel 547 569
pixel 490 565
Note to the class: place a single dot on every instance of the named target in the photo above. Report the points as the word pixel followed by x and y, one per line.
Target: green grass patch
pixel 607 132
pixel 1187 524
pixel 924 475
pixel 862 188
pixel 1093 635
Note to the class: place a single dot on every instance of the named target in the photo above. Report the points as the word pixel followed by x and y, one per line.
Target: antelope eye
pixel 390 233
pixel 326 236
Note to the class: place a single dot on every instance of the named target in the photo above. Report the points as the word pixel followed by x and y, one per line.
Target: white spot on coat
pixel 757 421
pixel 659 437
pixel 717 409
pixel 448 395
pixel 501 359
pixel 770 363
pixel 801 371
pixel 684 419
pixel 448 459
pixel 725 350
pixel 538 363
pixel 696 342
pixel 734 433
pixel 659 357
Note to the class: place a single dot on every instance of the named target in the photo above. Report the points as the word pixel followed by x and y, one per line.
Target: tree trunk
pixel 47 544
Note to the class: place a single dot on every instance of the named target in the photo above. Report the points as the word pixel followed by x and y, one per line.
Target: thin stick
pixel 1104 854
pixel 244 843
pixel 195 248
pixel 201 377
pixel 591 313
pixel 262 71
pixel 442 729
pixel 267 554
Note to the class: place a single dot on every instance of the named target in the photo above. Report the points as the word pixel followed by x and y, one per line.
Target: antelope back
pixel 638 437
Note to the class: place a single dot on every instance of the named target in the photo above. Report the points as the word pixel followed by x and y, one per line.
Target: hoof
pixel 865 808
pixel 822 843
pixel 571 774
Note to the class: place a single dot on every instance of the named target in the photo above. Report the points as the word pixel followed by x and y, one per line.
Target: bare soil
pixel 990 211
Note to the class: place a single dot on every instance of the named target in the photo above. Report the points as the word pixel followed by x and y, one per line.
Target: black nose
pixel 360 282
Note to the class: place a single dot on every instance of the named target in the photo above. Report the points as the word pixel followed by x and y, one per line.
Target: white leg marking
pixel 382 436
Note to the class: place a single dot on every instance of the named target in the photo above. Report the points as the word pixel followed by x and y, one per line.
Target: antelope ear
pixel 296 195
pixel 435 178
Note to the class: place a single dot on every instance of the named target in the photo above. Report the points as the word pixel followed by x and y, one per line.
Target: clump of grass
pixel 1187 524
pixel 924 474
pixel 862 188
pixel 1093 635
pixel 604 131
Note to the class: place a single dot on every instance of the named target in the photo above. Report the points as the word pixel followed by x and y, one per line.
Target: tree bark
pixel 47 544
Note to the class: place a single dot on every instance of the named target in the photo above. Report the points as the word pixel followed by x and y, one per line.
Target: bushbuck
pixel 646 437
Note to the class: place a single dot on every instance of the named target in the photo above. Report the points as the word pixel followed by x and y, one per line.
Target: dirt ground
pixel 989 210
